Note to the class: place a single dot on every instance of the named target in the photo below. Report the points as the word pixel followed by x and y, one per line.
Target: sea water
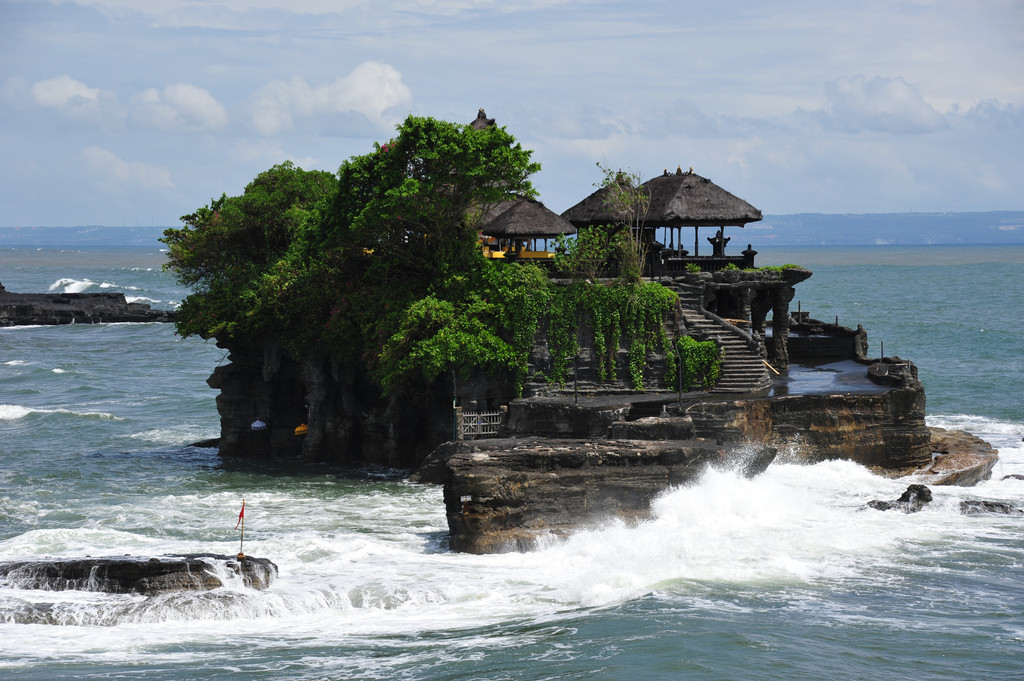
pixel 783 576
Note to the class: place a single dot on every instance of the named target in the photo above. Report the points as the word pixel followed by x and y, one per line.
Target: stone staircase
pixel 691 294
pixel 743 370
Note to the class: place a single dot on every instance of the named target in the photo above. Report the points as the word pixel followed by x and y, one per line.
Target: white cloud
pixel 67 94
pixel 59 92
pixel 879 105
pixel 372 90
pixel 179 107
pixel 112 171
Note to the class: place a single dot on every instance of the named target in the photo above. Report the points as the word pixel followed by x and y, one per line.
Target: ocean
pixel 784 576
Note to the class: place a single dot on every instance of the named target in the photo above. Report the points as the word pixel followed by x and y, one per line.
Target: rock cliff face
pixel 566 466
pixel 509 494
pixel 884 429
pixel 347 420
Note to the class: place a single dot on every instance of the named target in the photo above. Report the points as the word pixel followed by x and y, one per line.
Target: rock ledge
pixel 134 574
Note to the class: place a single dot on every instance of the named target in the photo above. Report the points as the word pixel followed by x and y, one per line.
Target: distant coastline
pixel 798 229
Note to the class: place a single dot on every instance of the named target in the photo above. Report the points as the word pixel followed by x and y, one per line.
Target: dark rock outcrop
pixel 955 458
pixel 912 500
pixel 29 309
pixel 982 507
pixel 132 574
pixel 347 420
pixel 509 494
pixel 882 428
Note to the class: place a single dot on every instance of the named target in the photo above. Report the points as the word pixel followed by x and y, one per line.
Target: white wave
pixel 975 424
pixel 364 560
pixel 108 284
pixel 141 299
pixel 72 285
pixel 58 371
pixel 176 435
pixel 13 412
pixel 16 363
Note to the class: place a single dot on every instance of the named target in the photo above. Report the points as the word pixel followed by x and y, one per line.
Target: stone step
pixel 742 369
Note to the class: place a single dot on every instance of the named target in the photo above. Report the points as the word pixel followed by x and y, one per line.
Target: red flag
pixel 241 515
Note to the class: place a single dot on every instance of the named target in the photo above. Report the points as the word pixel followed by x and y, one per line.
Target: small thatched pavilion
pixel 688 200
pixel 676 200
pixel 517 225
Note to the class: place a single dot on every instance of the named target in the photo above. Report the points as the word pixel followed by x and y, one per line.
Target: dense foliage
pixel 700 363
pixel 619 314
pixel 379 266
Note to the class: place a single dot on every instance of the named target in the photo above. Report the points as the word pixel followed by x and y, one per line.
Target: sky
pixel 135 112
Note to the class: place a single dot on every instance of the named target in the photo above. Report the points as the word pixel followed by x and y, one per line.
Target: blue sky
pixel 135 112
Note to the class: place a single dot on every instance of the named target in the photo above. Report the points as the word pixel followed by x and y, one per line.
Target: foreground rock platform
pixel 509 494
pixel 957 458
pixel 134 574
pixel 51 309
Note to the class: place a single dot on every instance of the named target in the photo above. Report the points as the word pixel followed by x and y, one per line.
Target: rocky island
pixel 31 309
pixel 405 313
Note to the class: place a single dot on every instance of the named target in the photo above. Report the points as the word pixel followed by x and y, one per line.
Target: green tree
pixel 592 251
pixel 233 251
pixel 382 256
pixel 629 201
pixel 416 202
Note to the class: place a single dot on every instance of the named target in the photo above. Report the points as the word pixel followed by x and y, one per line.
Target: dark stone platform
pixel 135 574
pixel 51 309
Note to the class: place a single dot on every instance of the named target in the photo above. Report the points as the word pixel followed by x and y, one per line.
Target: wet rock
pixel 509 494
pixel 49 309
pixel 1013 476
pixel 653 428
pixel 957 458
pixel 980 507
pixel 133 574
pixel 912 500
pixel 885 428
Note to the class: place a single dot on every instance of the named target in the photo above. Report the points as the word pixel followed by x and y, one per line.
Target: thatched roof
pixel 526 219
pixel 688 200
pixel 594 210
pixel 482 121
pixel 680 199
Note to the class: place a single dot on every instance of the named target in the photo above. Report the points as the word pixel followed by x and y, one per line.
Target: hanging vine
pixel 620 314
pixel 701 363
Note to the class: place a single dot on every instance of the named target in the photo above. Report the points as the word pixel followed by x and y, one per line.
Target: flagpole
pixel 241 538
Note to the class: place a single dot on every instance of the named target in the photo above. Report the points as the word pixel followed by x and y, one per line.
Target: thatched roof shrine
pixel 482 121
pixel 527 219
pixel 596 209
pixel 688 200
pixel 680 199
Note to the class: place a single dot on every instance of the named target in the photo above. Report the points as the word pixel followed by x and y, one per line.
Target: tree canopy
pixel 379 267
pixel 359 265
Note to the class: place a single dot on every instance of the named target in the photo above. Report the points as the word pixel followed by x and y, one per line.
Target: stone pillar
pixel 745 296
pixel 759 308
pixel 780 325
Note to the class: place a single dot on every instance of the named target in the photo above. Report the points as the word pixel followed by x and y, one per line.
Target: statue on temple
pixel 718 242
